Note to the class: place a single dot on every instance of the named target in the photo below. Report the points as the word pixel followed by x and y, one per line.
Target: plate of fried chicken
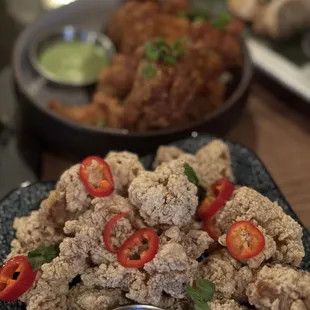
pixel 175 70
pixel 198 225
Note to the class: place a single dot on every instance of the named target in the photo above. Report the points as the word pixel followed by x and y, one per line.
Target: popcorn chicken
pixel 280 288
pixel 164 196
pixel 247 204
pixel 165 154
pixel 125 167
pixel 83 298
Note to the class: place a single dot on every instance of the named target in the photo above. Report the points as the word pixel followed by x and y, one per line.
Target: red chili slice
pixel 219 193
pixel 210 227
pixel 16 277
pixel 244 240
pixel 105 186
pixel 107 231
pixel 139 249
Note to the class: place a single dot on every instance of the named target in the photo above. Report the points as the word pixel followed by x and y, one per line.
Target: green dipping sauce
pixel 73 61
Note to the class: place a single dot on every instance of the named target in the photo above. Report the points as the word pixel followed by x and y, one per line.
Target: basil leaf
pixel 169 60
pixel 42 255
pixel 151 52
pixel 191 174
pixel 148 70
pixel 198 298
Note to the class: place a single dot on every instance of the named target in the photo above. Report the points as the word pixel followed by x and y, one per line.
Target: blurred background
pixel 270 115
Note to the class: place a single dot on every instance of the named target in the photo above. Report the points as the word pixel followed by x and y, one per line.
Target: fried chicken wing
pixel 280 288
pixel 164 196
pixel 247 204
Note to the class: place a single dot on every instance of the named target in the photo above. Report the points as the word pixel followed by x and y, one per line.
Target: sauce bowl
pixel 70 34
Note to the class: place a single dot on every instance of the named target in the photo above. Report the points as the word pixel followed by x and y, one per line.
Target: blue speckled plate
pixel 248 170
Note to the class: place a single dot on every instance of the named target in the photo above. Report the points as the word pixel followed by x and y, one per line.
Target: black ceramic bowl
pixel 34 93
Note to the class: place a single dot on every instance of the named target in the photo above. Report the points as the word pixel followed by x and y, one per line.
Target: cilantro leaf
pixel 191 174
pixel 148 70
pixel 221 21
pixel 100 124
pixel 42 255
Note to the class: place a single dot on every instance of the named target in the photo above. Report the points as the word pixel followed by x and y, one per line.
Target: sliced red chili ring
pixel 107 231
pixel 16 277
pixel 210 227
pixel 102 187
pixel 139 249
pixel 244 240
pixel 218 195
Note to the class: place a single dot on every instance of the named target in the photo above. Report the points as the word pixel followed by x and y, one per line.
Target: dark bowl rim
pixel 35 43
pixel 246 78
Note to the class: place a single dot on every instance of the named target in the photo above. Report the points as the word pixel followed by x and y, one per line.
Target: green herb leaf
pixel 100 124
pixel 201 293
pixel 169 60
pixel 191 174
pixel 148 70
pixel 42 255
pixel 221 21
pixel 207 287
pixel 182 14
pixel 151 52
pixel 199 19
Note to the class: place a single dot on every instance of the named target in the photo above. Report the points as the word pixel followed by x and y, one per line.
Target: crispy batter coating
pixel 32 233
pixel 164 196
pixel 109 275
pixel 228 275
pixel 165 154
pixel 45 296
pixel 125 167
pixel 247 204
pixel 226 305
pixel 71 186
pixel 83 298
pixel 280 288
pixel 167 273
pixel 195 242
pixel 214 163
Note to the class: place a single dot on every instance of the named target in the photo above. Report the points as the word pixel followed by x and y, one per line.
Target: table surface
pixel 276 132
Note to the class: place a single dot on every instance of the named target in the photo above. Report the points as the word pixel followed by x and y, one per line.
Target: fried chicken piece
pixel 102 108
pixel 214 163
pixel 228 275
pixel 88 115
pixel 130 13
pixel 164 196
pixel 83 298
pixel 168 272
pixel 224 42
pixel 109 275
pixel 280 288
pixel 225 305
pixel 247 204
pixel 195 242
pixel 116 79
pixel 111 107
pixel 31 233
pixel 68 201
pixel 174 6
pixel 45 296
pixel 125 167
pixel 165 154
